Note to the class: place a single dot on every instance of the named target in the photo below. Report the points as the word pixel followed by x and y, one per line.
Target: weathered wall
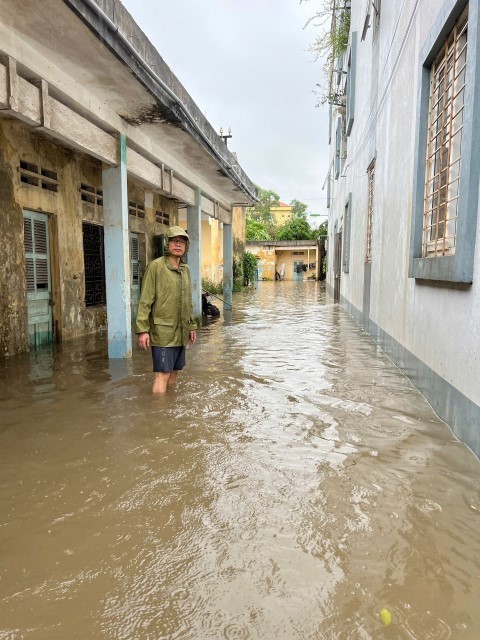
pixel 266 260
pixel 271 256
pixel 13 299
pixel 208 269
pixel 212 253
pixel 288 258
pixel 66 211
pixel 238 223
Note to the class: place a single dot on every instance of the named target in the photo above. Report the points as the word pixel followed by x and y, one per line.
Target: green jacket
pixel 165 307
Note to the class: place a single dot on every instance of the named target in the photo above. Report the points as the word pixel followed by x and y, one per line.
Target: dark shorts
pixel 168 359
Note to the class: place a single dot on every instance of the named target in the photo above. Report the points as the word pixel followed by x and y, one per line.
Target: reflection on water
pixel 292 486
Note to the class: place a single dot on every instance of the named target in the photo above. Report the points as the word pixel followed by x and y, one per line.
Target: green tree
pixel 261 211
pixel 256 230
pixel 321 231
pixel 333 21
pixel 295 229
pixel 299 209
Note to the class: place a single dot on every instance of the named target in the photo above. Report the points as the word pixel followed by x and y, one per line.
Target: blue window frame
pixel 457 267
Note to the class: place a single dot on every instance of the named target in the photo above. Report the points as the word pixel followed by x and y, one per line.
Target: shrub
pixel 211 286
pixel 249 268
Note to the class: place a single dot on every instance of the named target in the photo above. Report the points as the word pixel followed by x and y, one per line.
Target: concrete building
pixel 404 244
pixel 282 213
pixel 289 259
pixel 101 148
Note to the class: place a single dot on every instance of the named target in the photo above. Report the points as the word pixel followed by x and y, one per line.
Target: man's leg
pixel 172 379
pixel 160 382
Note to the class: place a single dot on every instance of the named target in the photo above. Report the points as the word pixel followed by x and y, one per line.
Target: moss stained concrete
pixel 13 297
pixel 66 212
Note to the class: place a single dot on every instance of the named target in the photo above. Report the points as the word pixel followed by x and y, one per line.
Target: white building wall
pixel 438 323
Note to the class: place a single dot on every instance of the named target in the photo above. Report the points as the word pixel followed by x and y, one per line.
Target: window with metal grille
pixel 91 194
pixel 371 207
pixel 447 101
pixel 136 209
pixel 162 217
pixel 135 260
pixel 94 264
pixel 35 176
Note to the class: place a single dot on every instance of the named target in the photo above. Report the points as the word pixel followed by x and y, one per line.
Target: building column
pixel 194 230
pixel 227 263
pixel 117 258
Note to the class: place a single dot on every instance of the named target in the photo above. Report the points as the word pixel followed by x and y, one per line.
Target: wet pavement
pixel 292 486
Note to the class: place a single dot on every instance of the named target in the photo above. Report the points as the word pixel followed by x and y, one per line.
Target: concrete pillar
pixel 194 229
pixel 227 263
pixel 117 258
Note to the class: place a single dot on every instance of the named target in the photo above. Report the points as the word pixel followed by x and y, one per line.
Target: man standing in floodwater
pixel 165 311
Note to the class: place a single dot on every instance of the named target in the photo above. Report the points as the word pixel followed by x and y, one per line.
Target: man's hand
pixel 192 336
pixel 143 340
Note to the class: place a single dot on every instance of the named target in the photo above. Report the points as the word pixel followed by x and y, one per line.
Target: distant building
pixel 282 213
pixel 286 259
pixel 101 149
pixel 403 186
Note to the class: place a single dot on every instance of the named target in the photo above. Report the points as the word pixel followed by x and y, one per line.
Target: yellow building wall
pixel 301 255
pixel 212 250
pixel 281 214
pixel 271 258
pixel 266 262
pixel 212 244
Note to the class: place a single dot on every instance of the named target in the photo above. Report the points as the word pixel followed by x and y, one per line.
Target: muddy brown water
pixel 291 487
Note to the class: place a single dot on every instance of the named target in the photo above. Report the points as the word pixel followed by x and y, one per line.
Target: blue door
pixel 39 286
pixel 298 270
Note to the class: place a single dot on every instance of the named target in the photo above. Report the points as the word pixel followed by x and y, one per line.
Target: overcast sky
pixel 246 65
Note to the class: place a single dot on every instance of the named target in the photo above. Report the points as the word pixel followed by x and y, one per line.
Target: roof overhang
pixel 81 50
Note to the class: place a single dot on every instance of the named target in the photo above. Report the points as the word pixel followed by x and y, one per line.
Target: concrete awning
pixel 78 53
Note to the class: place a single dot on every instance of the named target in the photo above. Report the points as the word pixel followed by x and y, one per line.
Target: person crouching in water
pixel 165 311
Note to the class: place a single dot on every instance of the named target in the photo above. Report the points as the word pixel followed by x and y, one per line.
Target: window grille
pixel 94 264
pixel 135 260
pixel 162 217
pixel 91 194
pixel 371 207
pixel 298 253
pixel 447 101
pixel 35 176
pixel 136 209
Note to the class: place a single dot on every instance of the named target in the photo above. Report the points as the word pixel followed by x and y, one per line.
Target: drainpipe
pixel 113 27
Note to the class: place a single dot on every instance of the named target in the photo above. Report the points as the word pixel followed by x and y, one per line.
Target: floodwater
pixel 292 486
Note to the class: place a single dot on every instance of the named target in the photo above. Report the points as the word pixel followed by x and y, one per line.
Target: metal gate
pixel 39 283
